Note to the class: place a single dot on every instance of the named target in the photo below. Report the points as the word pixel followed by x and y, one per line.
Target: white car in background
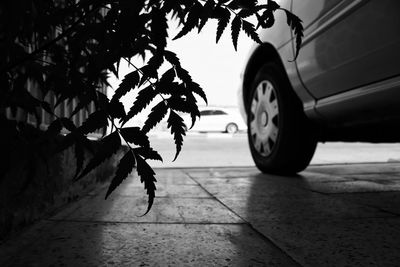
pixel 216 119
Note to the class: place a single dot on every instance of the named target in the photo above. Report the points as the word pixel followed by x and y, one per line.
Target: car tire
pixel 231 128
pixel 280 136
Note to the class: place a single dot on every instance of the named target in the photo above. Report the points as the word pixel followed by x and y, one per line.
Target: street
pixel 219 149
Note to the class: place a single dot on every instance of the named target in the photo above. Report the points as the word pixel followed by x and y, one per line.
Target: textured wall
pixel 22 203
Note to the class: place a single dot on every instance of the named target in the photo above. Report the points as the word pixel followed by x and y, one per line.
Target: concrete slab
pixel 122 244
pixel 227 217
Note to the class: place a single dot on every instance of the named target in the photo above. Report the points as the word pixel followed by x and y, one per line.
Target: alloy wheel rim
pixel 264 115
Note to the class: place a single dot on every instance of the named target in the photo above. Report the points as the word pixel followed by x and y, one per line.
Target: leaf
pixel 236 25
pixel 195 88
pixel 129 82
pixel 175 122
pixel 148 153
pixel 125 167
pixel 135 135
pixel 157 113
pixel 96 120
pixel 244 4
pixel 108 146
pixel 172 58
pixel 143 99
pixel 146 174
pixel 150 71
pixel 296 25
pixel 159 28
pixel 183 74
pixel 116 109
pixel 205 14
pixel 244 13
pixel 191 21
pixel 168 77
pixel 187 105
pixel 250 31
pixel 222 22
pixel 272 5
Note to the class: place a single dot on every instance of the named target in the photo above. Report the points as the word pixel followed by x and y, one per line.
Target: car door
pixel 203 123
pixel 220 118
pixel 347 44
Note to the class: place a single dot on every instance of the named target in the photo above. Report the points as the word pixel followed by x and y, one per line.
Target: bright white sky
pixel 216 67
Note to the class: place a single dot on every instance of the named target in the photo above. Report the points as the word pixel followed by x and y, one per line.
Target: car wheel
pixel 231 128
pixel 280 136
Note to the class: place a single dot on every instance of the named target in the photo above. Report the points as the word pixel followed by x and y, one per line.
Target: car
pixel 216 119
pixel 343 86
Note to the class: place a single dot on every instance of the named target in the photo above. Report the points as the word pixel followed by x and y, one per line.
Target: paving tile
pixel 165 210
pixel 95 244
pixel 350 242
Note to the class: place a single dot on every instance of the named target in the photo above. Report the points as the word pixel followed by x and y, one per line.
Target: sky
pixel 216 67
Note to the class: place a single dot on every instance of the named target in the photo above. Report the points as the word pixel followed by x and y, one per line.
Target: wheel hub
pixel 264 119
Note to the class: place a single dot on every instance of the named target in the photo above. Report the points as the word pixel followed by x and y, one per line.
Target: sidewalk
pixel 334 215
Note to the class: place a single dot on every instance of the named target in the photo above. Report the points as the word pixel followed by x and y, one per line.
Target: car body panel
pixel 348 41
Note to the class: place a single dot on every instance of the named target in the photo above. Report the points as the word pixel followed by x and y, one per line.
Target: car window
pixel 206 112
pixel 219 112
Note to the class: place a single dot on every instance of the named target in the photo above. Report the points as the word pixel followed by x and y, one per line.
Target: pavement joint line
pixel 141 223
pixel 261 235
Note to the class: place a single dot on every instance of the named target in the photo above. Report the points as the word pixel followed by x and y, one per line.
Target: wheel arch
pixel 263 54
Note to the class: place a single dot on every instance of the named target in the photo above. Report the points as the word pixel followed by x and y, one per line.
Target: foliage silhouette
pixel 68 48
